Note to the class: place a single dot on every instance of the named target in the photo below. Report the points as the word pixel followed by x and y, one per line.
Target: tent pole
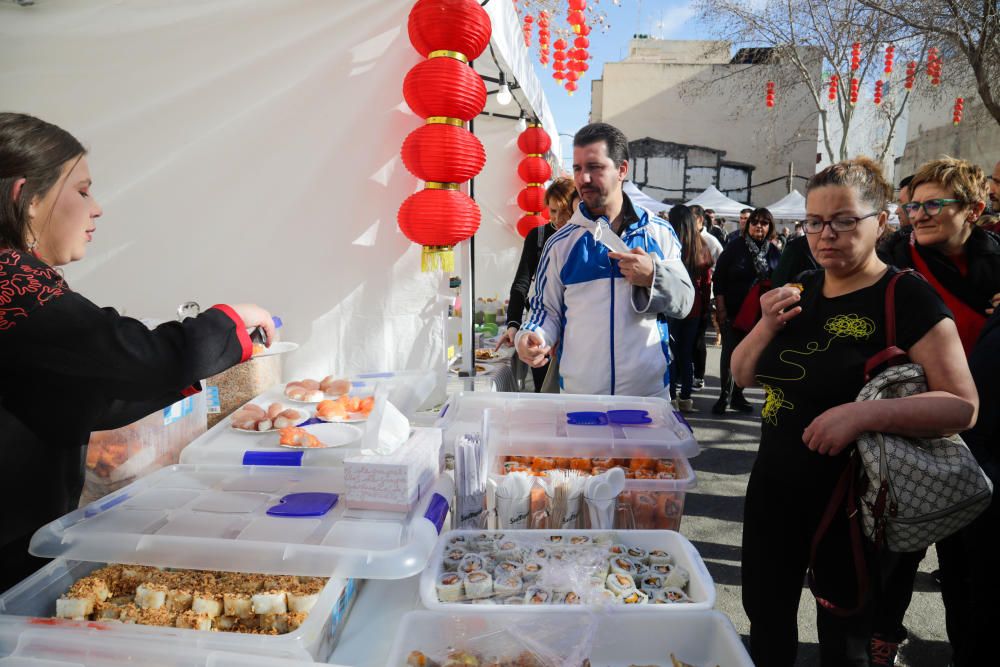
pixel 468 276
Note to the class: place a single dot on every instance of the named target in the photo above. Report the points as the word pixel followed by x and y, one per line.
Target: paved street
pixel 713 521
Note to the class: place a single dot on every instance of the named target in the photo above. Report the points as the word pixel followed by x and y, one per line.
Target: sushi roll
pixel 532 569
pixel 536 595
pixel 514 599
pixel 484 542
pixel 556 539
pixel 478 584
pixel 622 565
pixel 580 540
pixel 572 598
pixel 457 541
pixel 660 557
pixel 671 596
pixel 541 553
pixel 620 583
pixel 450 587
pixel 634 597
pixel 453 557
pixel 509 550
pixel 508 567
pixel 638 554
pixel 471 563
pixel 662 570
pixel 508 584
pixel 679 578
pixel 618 550
pixel 651 582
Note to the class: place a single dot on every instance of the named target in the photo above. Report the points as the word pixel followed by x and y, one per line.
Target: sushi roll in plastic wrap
pixel 540 553
pixel 662 570
pixel 638 554
pixel 620 583
pixel 634 597
pixel 651 582
pixel 617 550
pixel 580 540
pixel 678 578
pixel 471 563
pixel 660 557
pixel 450 587
pixel 508 567
pixel 508 584
pixel 532 569
pixel 537 595
pixel 671 596
pixel 453 557
pixel 478 585
pixel 622 565
pixel 509 550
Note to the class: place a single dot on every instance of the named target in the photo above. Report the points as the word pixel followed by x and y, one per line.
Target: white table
pixel 372 623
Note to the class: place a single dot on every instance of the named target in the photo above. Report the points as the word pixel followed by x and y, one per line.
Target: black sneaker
pixel 699 383
pixel 720 406
pixel 741 404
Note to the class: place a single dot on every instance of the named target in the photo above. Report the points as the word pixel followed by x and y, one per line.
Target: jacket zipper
pixel 612 282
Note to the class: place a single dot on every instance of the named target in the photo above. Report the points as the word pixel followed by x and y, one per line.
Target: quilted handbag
pixel 918 490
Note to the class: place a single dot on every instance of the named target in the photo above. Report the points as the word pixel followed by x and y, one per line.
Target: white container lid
pixel 41 646
pixel 268 519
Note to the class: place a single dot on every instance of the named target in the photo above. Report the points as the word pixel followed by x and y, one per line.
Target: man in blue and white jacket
pixel 608 309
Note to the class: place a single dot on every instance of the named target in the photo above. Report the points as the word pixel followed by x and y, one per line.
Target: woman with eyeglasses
pixel 961 261
pixel 808 352
pixel 746 262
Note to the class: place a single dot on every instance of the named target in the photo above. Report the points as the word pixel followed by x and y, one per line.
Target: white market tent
pixel 248 151
pixel 642 199
pixel 718 202
pixel 790 207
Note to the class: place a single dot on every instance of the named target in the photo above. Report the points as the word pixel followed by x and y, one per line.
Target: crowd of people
pixel 800 315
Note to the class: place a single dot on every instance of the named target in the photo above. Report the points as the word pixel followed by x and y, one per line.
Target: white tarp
pixel 642 199
pixel 248 150
pixel 718 202
pixel 790 207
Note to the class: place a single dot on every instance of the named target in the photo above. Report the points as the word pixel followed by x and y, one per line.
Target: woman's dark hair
pixel 36 151
pixel 682 221
pixel 761 214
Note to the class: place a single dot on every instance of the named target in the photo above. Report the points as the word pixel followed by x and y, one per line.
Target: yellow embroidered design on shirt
pixel 773 402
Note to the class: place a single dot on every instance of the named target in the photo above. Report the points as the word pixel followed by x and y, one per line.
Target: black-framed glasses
pixel 758 223
pixel 931 207
pixel 841 224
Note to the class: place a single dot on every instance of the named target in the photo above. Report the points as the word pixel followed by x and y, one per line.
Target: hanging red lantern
pixel 449 25
pixel 911 74
pixel 581 42
pixel 855 56
pixel 560 44
pixel 855 84
pixel 878 92
pixel 529 19
pixel 559 65
pixel 578 5
pixel 576 17
pixel 534 169
pixel 572 75
pixel 529 222
pixel 443 152
pixel 558 75
pixel 769 97
pixel 834 83
pixel 571 87
pixel 957 112
pixel 584 67
pixel 444 86
pixel 534 140
pixel 438 217
pixel 889 56
pixel 584 30
pixel 558 55
pixel 531 198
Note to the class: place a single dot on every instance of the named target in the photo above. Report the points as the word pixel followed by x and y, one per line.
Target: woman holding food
pixel 808 352
pixel 560 198
pixel 68 366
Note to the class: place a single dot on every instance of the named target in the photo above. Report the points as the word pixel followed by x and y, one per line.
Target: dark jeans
pixel 779 521
pixel 684 333
pixel 730 339
pixel 700 350
pixel 891 606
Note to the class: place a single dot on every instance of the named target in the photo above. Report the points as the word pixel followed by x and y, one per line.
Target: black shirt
pixel 735 273
pixel 817 362
pixel 534 242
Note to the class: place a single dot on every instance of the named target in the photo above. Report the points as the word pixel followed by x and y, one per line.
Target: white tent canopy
pixel 790 207
pixel 642 199
pixel 718 202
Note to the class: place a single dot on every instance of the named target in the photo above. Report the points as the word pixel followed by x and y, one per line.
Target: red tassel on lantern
pixel 531 198
pixel 534 140
pixel 534 169
pixel 444 153
pixel 529 222
pixel 449 25
pixel 444 87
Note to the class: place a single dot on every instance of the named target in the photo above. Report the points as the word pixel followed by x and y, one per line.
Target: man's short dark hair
pixel 905 183
pixel 748 211
pixel 709 211
pixel 697 211
pixel 612 137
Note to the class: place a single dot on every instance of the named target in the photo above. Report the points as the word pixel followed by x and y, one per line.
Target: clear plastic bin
pixel 119 457
pixel 702 638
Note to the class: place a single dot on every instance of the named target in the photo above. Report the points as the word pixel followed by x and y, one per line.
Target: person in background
pixel 737 233
pixel 561 199
pixel 741 266
pixel 106 370
pixel 991 222
pixel 714 227
pixel 698 262
pixel 809 352
pixel 889 235
pixel 608 310
pixel 714 250
pixel 795 259
pixel 962 263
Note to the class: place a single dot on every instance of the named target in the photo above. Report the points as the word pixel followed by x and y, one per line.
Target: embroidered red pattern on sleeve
pixel 21 283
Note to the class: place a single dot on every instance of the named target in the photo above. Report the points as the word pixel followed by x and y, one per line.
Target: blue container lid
pixel 586 418
pixel 629 417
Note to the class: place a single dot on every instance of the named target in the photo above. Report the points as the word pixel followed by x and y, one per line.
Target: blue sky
pixel 666 19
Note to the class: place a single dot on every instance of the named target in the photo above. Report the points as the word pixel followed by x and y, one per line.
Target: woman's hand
pixel 836 428
pixel 255 316
pixel 778 306
pixel 506 338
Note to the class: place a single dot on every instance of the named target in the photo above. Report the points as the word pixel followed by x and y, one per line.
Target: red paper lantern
pixel 571 86
pixel 560 44
pixel 573 75
pixel 576 18
pixel 531 198
pixel 580 54
pixel 584 30
pixel 559 55
pixel 911 74
pixel 533 169
pixel 529 222
pixel 878 92
pixel 449 25
pixel 444 87
pixel 559 65
pixel 584 67
pixel 438 217
pixel 581 42
pixel 534 140
pixel 443 153
pixel 529 19
pixel 558 75
pixel 578 5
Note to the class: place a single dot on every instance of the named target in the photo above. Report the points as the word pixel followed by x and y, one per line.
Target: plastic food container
pixel 701 638
pixel 700 589
pixel 117 458
pixel 263 519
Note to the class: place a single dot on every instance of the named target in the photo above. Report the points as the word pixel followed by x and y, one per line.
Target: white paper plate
pixel 352 418
pixel 331 435
pixel 281 347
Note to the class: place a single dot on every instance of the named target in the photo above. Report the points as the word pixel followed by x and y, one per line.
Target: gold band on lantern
pixel 534 155
pixel 445 120
pixel 534 185
pixel 444 53
pixel 434 185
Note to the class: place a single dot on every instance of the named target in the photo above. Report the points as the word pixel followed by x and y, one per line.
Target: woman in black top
pixel 808 352
pixel 561 198
pixel 748 260
pixel 68 367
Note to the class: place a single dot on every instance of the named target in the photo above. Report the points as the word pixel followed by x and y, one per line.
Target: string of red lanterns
pixel 855 85
pixel 890 54
pixel 855 56
pixel 769 97
pixel 543 37
pixel 534 171
pixel 934 66
pixel 911 74
pixel 878 92
pixel 447 93
pixel 956 114
pixel 528 20
pixel 834 83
